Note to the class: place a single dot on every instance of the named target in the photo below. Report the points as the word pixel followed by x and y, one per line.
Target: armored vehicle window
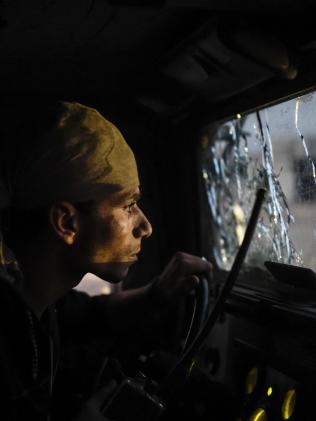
pixel 272 148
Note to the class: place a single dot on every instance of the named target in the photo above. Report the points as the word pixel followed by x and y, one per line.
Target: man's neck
pixel 43 282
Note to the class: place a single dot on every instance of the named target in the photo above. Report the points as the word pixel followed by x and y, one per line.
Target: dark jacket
pixel 30 353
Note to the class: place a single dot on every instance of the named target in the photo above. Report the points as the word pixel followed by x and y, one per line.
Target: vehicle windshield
pixel 274 148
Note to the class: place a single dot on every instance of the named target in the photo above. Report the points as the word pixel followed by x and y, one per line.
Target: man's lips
pixel 134 256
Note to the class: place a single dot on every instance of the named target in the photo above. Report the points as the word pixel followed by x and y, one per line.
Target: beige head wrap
pixel 78 156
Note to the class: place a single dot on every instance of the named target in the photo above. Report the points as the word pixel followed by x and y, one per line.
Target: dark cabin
pixel 217 99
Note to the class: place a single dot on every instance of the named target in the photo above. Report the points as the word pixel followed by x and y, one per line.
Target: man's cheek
pixel 117 224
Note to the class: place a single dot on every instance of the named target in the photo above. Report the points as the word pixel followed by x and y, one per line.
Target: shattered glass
pixel 274 148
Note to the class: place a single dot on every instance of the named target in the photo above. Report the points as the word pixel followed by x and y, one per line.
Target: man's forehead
pixel 130 193
pixel 123 195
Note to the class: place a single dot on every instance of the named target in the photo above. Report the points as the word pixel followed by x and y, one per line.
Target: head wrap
pixel 66 152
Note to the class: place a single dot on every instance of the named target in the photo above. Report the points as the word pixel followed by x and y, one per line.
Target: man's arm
pixel 128 308
pixel 121 311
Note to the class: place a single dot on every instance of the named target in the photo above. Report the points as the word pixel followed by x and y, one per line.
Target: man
pixel 70 192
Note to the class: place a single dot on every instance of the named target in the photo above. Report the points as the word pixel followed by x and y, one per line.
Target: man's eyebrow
pixel 129 196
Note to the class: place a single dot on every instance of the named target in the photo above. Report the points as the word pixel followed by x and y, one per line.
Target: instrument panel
pixel 268 362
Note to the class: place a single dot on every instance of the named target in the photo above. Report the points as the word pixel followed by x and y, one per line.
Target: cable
pixel 200 313
pixel 188 336
pixel 188 358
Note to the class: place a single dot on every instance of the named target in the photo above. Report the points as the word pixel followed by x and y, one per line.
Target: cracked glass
pixel 274 148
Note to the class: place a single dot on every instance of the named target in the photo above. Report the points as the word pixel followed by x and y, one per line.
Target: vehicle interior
pixel 217 100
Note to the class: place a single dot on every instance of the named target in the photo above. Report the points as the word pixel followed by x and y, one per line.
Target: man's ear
pixel 64 219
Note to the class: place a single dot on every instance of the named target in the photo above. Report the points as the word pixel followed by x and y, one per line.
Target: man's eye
pixel 129 207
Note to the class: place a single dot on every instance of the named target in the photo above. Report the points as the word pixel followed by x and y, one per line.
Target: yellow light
pixel 269 391
pixel 251 380
pixel 259 415
pixel 106 290
pixel 238 116
pixel 192 365
pixel 288 404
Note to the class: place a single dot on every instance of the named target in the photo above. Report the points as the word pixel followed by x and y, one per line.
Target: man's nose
pixel 143 228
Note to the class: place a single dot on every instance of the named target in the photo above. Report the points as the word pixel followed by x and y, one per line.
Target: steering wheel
pixel 199 313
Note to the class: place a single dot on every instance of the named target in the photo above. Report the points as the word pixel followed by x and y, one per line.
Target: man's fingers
pixel 192 282
pixel 208 274
pixel 181 276
pixel 190 264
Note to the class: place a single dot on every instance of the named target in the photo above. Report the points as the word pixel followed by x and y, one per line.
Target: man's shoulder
pixel 9 296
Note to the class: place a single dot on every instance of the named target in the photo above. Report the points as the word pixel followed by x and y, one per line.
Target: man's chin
pixel 112 272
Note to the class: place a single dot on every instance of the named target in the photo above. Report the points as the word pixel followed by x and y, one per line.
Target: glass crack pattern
pixel 274 148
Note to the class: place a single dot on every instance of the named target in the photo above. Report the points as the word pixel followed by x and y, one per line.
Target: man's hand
pixel 129 308
pixel 180 276
pixel 90 410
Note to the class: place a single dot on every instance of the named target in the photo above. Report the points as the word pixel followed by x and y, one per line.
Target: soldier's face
pixel 112 233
